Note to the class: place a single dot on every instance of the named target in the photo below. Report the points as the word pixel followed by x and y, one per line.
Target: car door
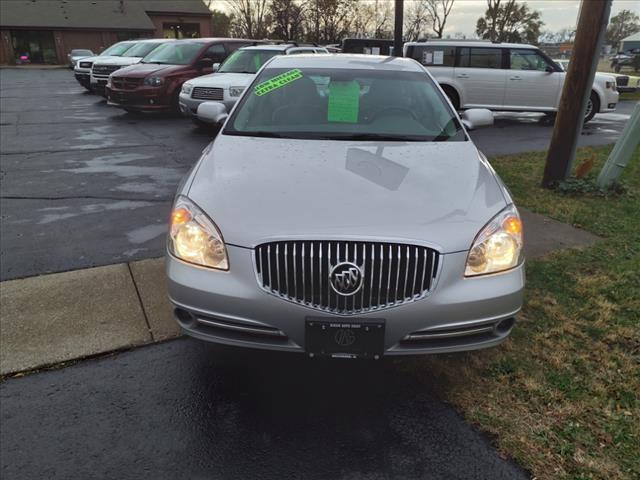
pixel 216 52
pixel 480 77
pixel 533 82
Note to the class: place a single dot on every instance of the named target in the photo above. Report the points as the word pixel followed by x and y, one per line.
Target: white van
pixel 504 76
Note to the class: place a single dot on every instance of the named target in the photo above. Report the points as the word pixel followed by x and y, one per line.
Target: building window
pixel 34 46
pixel 181 30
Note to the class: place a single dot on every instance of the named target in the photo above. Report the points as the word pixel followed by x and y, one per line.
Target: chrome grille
pixel 206 93
pixel 125 83
pixel 104 70
pixel 392 273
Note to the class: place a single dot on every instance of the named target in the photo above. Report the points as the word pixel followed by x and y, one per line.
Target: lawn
pixel 561 396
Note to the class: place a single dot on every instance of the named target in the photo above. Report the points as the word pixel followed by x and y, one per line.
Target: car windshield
pixel 78 53
pixel 118 49
pixel 247 61
pixel 178 53
pixel 142 49
pixel 345 104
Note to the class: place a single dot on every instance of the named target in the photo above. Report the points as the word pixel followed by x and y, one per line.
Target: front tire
pixel 593 107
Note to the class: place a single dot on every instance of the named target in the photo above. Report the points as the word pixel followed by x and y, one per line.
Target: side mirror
pixel 215 67
pixel 212 112
pixel 204 63
pixel 477 117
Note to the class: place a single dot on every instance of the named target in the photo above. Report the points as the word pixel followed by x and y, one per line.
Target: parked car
pixel 368 46
pixel 237 71
pixel 622 81
pixel 503 76
pixel 76 54
pixel 82 70
pixel 102 68
pixel 630 59
pixel 155 82
pixel 344 210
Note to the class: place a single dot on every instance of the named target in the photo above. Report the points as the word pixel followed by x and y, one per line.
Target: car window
pixel 88 53
pixel 480 58
pixel 118 49
pixel 526 59
pixel 247 61
pixel 142 49
pixel 433 56
pixel 216 52
pixel 174 53
pixel 344 104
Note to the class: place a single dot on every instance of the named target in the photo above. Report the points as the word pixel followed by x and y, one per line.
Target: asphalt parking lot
pixel 84 184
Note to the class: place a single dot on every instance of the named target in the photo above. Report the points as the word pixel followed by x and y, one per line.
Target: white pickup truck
pixel 504 77
pixel 102 68
pixel 82 69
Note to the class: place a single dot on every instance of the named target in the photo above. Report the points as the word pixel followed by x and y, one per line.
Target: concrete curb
pixel 64 316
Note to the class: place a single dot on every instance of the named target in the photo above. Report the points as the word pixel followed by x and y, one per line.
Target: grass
pixel 561 396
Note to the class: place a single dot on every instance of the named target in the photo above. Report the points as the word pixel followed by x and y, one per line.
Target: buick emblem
pixel 346 278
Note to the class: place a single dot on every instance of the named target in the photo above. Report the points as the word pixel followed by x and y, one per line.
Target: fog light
pixel 612 105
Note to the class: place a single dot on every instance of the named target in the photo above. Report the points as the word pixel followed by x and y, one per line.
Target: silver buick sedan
pixel 344 211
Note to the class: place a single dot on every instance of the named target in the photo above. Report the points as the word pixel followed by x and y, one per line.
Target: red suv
pixel 155 82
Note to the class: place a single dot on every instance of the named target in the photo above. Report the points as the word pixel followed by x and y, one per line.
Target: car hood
pixel 140 70
pixel 603 77
pixel 118 61
pixel 438 194
pixel 223 80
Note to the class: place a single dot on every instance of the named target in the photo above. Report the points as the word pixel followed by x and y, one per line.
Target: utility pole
pixel 592 24
pixel 397 36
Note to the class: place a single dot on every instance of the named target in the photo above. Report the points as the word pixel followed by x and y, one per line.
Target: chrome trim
pixel 241 328
pixel 328 254
pixel 454 334
pixel 207 93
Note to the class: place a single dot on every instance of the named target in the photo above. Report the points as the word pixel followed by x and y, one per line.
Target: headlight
pixel 498 245
pixel 236 91
pixel 611 85
pixel 154 81
pixel 187 88
pixel 194 238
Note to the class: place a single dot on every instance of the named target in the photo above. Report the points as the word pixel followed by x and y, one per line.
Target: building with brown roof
pixel 46 30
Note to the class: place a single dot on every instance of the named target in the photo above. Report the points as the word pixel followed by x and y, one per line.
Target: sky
pixel 556 14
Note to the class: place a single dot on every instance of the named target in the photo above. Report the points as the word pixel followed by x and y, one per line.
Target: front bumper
pixel 141 99
pixel 610 101
pixel 189 106
pixel 83 79
pixel 230 308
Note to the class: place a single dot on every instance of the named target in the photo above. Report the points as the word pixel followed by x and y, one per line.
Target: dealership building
pixel 44 31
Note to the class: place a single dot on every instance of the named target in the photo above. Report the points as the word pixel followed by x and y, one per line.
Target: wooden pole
pixel 592 24
pixel 397 36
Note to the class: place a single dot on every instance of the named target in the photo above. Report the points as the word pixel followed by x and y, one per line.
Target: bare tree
pixel 438 11
pixel 416 20
pixel 288 18
pixel 250 17
pixel 329 21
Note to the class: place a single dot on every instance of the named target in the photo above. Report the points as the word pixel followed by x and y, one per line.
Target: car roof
pixel 344 60
pixel 156 40
pixel 471 43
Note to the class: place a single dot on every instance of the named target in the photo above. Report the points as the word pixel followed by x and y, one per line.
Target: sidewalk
pixel 56 318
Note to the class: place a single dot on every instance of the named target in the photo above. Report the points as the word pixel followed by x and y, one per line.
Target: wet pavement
pixel 84 184
pixel 186 409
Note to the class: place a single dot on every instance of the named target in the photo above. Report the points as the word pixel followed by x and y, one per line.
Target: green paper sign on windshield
pixel 278 81
pixel 344 102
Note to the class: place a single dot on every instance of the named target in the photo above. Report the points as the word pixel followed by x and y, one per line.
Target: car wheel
pixel 593 107
pixel 453 96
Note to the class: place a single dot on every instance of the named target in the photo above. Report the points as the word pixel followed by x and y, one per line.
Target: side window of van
pixel 434 56
pixel 480 58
